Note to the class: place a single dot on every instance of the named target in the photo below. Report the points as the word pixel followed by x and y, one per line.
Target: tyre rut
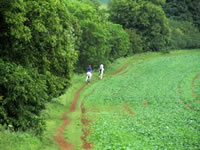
pixel 59 139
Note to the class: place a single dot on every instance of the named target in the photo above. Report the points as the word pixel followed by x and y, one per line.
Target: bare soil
pixel 60 140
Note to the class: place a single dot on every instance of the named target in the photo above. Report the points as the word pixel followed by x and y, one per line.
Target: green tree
pixel 94 47
pixel 183 35
pixel 38 38
pixel 118 41
pixel 24 96
pixel 101 40
pixel 147 18
pixel 136 42
pixel 187 10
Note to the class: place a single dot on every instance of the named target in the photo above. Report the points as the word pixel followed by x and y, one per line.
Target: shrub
pixel 183 35
pixel 136 42
pixel 24 96
pixel 56 85
pixel 147 18
pixel 118 41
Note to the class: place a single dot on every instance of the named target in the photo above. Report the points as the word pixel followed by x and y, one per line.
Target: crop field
pixel 145 102
pixel 153 103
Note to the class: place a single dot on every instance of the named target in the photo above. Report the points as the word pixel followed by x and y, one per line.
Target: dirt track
pixel 60 140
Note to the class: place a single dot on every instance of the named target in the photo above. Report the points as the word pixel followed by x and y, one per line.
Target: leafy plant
pixel 151 88
pixel 24 96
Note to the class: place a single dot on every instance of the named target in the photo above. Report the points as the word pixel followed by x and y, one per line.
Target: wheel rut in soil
pixel 193 87
pixel 194 94
pixel 85 123
pixel 59 138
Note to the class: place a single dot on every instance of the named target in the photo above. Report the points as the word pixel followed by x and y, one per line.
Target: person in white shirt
pixel 101 70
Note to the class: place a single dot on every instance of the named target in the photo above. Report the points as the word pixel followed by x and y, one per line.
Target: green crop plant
pixel 157 91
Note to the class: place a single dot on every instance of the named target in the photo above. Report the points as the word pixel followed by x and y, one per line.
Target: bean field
pixel 154 103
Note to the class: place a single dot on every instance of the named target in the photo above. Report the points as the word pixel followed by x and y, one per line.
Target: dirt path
pixel 60 140
pixel 85 123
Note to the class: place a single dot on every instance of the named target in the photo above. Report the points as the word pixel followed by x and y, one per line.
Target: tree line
pixel 44 42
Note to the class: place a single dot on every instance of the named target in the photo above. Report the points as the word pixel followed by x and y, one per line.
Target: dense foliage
pixel 37 42
pixel 100 40
pixel 183 35
pixel 24 95
pixel 187 10
pixel 118 41
pixel 146 18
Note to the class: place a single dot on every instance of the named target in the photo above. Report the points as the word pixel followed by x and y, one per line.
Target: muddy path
pixel 84 120
pixel 59 138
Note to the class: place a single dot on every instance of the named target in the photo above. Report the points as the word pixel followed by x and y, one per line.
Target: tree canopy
pixel 187 10
pixel 36 41
pixel 146 17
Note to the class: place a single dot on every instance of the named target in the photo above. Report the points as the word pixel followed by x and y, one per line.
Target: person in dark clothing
pixel 89 74
pixel 89 69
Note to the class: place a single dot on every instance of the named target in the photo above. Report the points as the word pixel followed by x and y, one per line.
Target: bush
pixel 147 18
pixel 118 41
pixel 136 42
pixel 183 35
pixel 24 95
pixel 56 85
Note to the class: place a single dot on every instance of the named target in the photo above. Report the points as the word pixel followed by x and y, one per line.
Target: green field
pixel 151 104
